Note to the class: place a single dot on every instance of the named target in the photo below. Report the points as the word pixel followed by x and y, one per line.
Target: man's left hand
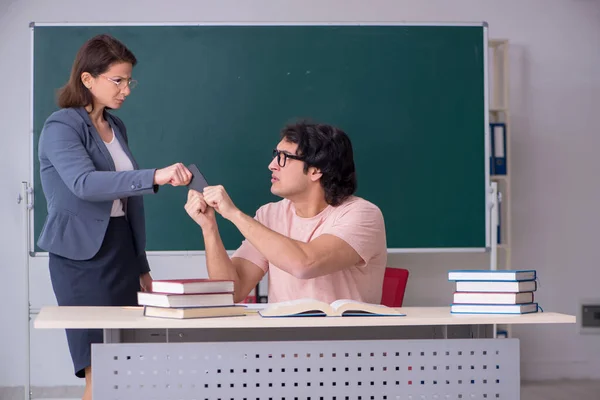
pixel 217 198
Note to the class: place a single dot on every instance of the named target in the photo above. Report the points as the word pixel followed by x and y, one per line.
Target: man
pixel 320 241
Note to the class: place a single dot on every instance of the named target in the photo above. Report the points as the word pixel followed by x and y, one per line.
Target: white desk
pixel 132 318
pixel 252 358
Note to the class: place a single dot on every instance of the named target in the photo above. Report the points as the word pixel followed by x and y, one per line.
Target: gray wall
pixel 554 98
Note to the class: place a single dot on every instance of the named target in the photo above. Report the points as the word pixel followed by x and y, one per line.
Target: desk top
pixel 53 317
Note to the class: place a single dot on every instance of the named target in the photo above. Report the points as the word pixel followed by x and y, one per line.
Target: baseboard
pixel 42 392
pixel 12 393
pixel 557 370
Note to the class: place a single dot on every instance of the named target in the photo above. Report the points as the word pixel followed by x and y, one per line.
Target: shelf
pixel 499 113
pixel 497 42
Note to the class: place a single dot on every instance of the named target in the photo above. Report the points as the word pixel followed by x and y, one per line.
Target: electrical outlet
pixel 589 316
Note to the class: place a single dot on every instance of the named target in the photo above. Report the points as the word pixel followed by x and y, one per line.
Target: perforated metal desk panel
pixel 428 354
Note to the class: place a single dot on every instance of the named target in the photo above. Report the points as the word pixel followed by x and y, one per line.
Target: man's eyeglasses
pixel 282 157
pixel 122 83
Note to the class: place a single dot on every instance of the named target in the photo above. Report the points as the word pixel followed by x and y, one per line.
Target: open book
pixel 316 308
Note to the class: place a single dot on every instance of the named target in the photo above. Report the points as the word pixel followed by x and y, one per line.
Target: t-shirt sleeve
pixel 247 250
pixel 360 225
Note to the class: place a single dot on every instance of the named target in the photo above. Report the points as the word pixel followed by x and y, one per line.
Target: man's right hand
pixel 199 211
pixel 176 175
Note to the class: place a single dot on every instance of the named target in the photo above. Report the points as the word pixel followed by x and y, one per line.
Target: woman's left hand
pixel 146 282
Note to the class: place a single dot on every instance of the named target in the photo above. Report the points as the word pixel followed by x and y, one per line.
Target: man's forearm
pixel 287 254
pixel 218 263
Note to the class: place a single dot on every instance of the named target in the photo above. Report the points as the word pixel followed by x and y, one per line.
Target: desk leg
pixel 112 336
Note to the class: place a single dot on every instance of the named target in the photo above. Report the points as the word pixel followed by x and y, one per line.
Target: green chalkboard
pixel 411 98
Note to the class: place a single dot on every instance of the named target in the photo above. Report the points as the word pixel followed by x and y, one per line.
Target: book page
pixel 254 306
pixel 345 306
pixel 297 307
pixel 342 302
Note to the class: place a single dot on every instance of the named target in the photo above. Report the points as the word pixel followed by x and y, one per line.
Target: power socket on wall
pixel 589 316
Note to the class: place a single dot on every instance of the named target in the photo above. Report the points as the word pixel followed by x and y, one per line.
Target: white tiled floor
pixel 561 390
pixel 547 390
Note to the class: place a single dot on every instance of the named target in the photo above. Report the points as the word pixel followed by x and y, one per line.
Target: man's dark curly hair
pixel 329 149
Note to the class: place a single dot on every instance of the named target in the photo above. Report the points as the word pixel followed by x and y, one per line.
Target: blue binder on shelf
pixel 498 156
pixel 492 150
pixel 499 237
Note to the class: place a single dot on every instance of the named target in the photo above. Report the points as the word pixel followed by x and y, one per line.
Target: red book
pixel 192 286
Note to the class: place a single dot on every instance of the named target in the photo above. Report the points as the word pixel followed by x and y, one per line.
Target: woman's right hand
pixel 175 175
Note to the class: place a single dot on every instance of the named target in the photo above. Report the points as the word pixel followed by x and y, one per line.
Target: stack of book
pixel 493 291
pixel 190 298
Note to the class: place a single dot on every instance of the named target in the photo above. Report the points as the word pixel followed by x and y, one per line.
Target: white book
pixel 493 308
pixel 487 286
pixel 492 298
pixel 193 312
pixel 184 300
pixel 491 275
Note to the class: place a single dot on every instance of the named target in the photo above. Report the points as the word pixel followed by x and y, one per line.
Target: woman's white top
pixel 122 163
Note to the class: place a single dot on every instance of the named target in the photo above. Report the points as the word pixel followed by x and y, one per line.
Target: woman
pixel 95 229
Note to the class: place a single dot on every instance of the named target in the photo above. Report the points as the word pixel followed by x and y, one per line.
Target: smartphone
pixel 198 182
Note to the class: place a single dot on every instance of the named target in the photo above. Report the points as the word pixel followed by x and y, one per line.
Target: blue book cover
pixel 505 275
pixel 494 308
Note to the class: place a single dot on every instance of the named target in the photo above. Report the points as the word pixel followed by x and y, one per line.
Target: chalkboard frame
pixel 487 151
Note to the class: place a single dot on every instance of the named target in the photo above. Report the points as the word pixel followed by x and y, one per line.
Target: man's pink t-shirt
pixel 356 221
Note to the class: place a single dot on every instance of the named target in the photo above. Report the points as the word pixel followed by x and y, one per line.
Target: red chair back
pixel 394 285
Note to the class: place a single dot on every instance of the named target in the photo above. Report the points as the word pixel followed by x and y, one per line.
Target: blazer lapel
pixel 99 142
